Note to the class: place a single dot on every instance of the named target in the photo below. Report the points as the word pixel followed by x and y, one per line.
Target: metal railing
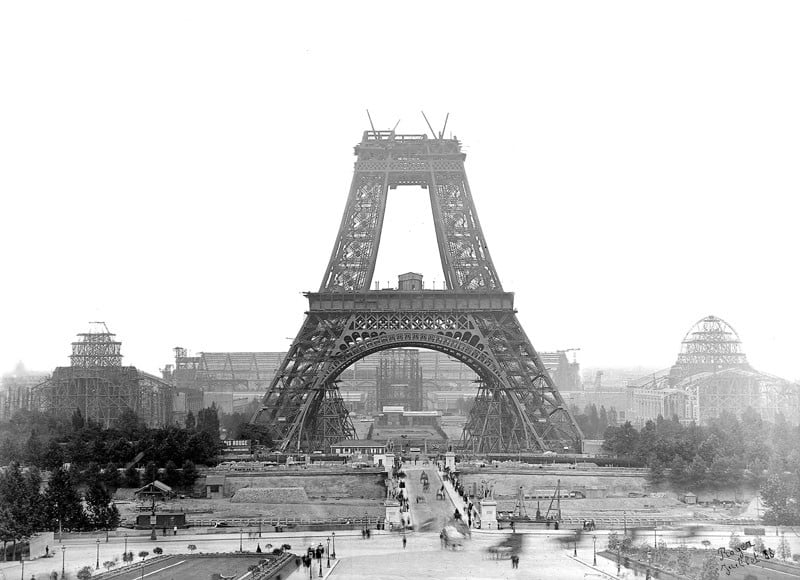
pixel 287 522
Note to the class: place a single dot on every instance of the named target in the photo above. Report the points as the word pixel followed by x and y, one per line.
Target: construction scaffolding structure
pixel 101 388
pixel 15 390
pixel 328 424
pixel 399 380
pixel 712 376
pixel 710 345
pixel 709 394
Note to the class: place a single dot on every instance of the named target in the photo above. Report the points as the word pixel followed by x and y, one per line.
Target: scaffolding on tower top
pixel 97 348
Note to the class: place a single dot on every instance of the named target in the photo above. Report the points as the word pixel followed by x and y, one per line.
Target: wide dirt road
pixel 429 514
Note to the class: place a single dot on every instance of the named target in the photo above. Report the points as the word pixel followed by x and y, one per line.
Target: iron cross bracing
pixel 517 407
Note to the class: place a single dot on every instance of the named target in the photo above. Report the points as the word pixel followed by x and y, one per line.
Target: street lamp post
pixel 126 544
pixel 153 518
pixel 97 567
pixel 594 555
pixel 63 549
pixel 329 552
pixel 241 531
pixel 22 561
pixel 575 546
pixel 333 535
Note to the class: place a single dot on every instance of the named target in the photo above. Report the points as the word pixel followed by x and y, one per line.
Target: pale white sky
pixel 179 169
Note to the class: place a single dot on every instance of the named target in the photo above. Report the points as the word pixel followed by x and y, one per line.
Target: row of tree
pixel 237 425
pixel 47 441
pixel 592 422
pixel 725 453
pixel 25 509
pixel 113 476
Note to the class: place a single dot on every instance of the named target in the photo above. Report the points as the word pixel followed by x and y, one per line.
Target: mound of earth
pixel 280 495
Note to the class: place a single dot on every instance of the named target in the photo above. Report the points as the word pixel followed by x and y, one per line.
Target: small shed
pixel 162 521
pixel 595 492
pixel 154 490
pixel 215 486
pixel 689 498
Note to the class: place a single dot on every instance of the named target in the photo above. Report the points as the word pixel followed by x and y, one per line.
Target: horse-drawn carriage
pixel 452 538
pixel 423 479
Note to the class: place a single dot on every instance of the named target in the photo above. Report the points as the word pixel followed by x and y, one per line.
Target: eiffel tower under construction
pixel 517 407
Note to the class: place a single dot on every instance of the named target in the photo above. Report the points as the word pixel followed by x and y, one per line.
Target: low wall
pixel 270 495
pixel 508 484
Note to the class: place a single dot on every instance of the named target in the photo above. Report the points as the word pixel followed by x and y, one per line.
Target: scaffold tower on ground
pixel 99 386
pixel 399 379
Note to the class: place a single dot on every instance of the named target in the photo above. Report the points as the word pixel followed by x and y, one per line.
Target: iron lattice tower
pixel 472 319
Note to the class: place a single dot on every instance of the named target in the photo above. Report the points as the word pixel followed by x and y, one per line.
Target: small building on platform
pixel 237 448
pixel 396 415
pixel 359 447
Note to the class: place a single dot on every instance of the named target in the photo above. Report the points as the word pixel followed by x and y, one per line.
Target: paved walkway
pixel 423 557
pixel 83 551
pixel 382 557
pixel 429 514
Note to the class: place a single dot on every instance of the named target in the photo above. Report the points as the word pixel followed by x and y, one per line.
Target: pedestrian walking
pixel 404 542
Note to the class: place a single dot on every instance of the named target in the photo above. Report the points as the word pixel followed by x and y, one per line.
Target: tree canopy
pixel 727 451
pixel 49 442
